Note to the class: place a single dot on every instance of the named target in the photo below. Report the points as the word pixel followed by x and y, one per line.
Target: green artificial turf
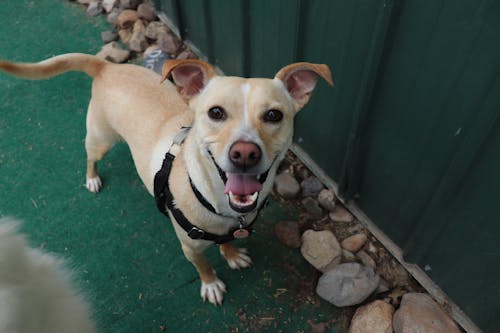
pixel 126 256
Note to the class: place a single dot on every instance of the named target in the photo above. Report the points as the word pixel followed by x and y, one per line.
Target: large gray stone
pixel 340 214
pixel 419 313
pixel 169 43
pixel 146 11
pixel 286 185
pixel 156 29
pixel 326 199
pixel 347 284
pixel 311 186
pixel 373 317
pixel 354 243
pixel 321 249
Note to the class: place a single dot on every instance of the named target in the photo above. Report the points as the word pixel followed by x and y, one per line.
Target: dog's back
pixel 35 290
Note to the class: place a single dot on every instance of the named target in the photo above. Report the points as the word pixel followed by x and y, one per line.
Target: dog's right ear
pixel 189 75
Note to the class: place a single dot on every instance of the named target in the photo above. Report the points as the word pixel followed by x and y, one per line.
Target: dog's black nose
pixel 245 154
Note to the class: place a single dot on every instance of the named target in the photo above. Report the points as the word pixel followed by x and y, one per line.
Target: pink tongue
pixel 242 184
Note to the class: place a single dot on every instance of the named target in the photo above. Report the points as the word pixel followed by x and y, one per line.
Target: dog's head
pixel 243 125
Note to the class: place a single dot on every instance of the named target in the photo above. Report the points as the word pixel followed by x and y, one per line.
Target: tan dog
pixel 225 168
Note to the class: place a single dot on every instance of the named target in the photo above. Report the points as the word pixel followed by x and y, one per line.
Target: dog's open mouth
pixel 243 191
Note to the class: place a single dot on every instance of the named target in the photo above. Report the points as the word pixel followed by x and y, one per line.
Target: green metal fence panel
pixel 171 7
pixel 343 34
pixel 230 32
pixel 429 160
pixel 412 129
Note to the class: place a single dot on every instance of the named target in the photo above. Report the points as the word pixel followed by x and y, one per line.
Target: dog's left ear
pixel 300 79
pixel 189 75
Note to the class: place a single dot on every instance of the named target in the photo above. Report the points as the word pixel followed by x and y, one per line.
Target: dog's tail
pixel 53 66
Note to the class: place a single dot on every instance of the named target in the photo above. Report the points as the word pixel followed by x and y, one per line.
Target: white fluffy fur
pixel 35 290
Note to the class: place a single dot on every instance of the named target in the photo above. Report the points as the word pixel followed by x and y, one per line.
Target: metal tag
pixel 241 233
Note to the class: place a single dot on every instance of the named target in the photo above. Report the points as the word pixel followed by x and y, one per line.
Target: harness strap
pixel 201 198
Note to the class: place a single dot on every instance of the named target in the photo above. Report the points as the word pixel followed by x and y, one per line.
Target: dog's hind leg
pixel 236 258
pixel 99 139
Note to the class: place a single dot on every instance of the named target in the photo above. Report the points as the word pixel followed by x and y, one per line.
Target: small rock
pixel 155 29
pixel 419 313
pixel 312 207
pixel 288 233
pixel 138 40
pixel 326 199
pixel 130 4
pixel 321 249
pixel 354 243
pixel 373 317
pixel 146 11
pixel 372 248
pixel 83 2
pixel 109 36
pixel 311 186
pixel 366 259
pixel 169 43
pixel 113 16
pixel 340 214
pixel 108 5
pixel 186 54
pixel 94 8
pixel 348 256
pixel 127 18
pixel 347 284
pixel 113 52
pixel 125 35
pixel 286 185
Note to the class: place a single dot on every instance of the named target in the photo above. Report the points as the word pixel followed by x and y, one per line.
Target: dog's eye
pixel 217 113
pixel 272 116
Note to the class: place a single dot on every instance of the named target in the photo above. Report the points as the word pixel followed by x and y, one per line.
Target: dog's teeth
pixel 250 199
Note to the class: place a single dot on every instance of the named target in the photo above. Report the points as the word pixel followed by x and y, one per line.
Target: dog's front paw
pixel 94 185
pixel 213 291
pixel 236 258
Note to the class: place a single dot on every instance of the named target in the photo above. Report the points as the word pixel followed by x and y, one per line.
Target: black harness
pixel 165 202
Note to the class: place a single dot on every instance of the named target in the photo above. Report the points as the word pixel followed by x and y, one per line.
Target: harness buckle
pixel 196 233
